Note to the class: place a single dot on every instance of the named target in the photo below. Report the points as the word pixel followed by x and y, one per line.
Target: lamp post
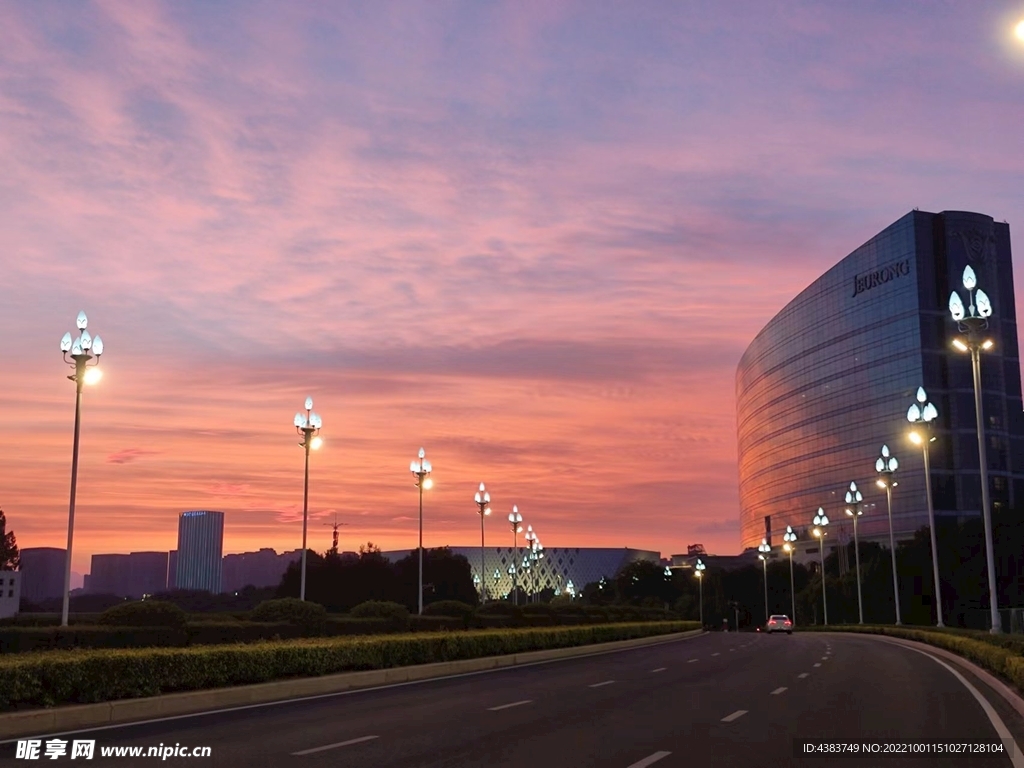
pixel 515 520
pixel 570 589
pixel 309 427
pixel 482 499
pixel 699 571
pixel 922 414
pixel 886 466
pixel 764 549
pixel 853 500
pixel 421 469
pixel 819 522
pixel 973 327
pixel 789 537
pixel 537 555
pixel 84 356
pixel 530 536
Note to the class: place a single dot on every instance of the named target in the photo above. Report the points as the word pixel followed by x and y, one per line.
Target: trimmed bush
pixel 379 609
pixel 436 623
pixel 144 613
pixel 24 639
pixel 290 609
pixel 498 608
pixel 448 608
pixel 84 676
pixel 537 609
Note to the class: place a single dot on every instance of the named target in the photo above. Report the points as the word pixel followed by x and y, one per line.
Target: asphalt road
pixel 715 700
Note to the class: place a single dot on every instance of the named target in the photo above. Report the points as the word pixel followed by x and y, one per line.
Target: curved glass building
pixel 831 377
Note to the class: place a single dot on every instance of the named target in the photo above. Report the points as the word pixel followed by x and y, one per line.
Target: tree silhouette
pixel 10 558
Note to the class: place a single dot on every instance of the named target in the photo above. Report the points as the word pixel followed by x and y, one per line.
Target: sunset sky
pixel 532 237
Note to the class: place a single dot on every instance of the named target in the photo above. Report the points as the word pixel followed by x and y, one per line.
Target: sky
pixel 533 238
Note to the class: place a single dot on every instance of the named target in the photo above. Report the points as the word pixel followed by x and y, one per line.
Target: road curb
pixel 124 711
pixel 1009 695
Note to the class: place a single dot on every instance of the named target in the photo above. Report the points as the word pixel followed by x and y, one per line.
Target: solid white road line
pixel 598 685
pixel 692 660
pixel 509 706
pixel 659 669
pixel 777 691
pixel 802 675
pixel 734 716
pixel 993 717
pixel 335 746
pixel 649 760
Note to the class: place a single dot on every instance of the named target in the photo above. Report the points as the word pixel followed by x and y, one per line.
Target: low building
pixel 42 573
pixel 10 593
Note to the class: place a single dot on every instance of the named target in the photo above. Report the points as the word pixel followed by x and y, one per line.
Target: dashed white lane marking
pixel 777 691
pixel 802 675
pixel 598 685
pixel 817 664
pixel 732 649
pixel 716 654
pixel 824 658
pixel 734 716
pixel 334 746
pixel 649 760
pixel 659 669
pixel 509 706
pixel 692 660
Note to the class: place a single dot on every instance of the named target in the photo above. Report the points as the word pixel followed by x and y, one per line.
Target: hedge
pixel 86 676
pixel 999 654
pixel 222 628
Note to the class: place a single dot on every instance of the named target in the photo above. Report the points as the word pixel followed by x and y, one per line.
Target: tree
pixel 10 559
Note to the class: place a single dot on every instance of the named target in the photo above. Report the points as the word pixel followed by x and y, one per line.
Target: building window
pixel 10 593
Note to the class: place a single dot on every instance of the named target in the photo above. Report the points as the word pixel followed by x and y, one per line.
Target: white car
pixel 779 623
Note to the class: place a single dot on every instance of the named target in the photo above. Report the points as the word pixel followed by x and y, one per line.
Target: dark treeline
pixel 340 583
pixel 961 567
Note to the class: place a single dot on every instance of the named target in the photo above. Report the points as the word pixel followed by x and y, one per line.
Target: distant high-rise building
pixel 200 548
pixel 42 570
pixel 148 572
pixel 172 569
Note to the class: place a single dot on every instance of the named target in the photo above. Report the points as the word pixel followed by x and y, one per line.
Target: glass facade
pixel 199 560
pixel 830 379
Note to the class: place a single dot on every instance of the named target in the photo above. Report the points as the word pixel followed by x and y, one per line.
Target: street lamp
pixel 537 555
pixel 922 414
pixel 973 327
pixel 570 589
pixel 515 520
pixel 853 500
pixel 764 549
pixel 819 522
pixel 789 537
pixel 886 466
pixel 421 469
pixel 530 536
pixel 309 427
pixel 82 349
pixel 699 572
pixel 482 499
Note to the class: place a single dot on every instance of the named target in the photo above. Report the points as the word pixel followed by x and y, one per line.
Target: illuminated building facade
pixel 831 377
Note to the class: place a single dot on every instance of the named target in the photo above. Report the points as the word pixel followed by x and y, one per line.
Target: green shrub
pixel 292 610
pixel 436 623
pixel 542 609
pixel 144 613
pixel 379 609
pixel 84 676
pixel 24 639
pixel 448 608
pixel 498 608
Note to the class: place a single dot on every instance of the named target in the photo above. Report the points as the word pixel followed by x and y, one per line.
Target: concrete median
pixel 39 722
